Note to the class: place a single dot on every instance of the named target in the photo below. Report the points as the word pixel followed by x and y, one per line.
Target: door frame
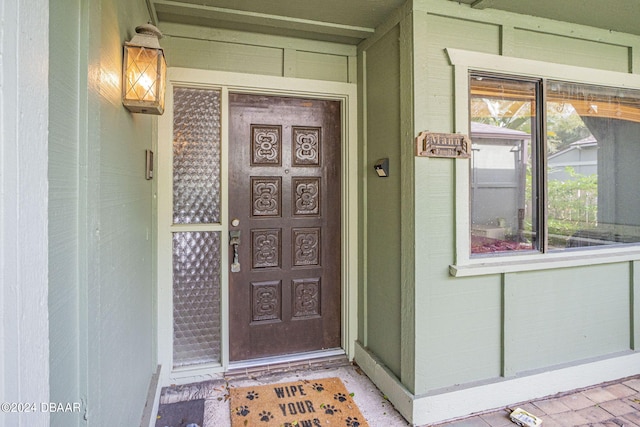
pixel 227 82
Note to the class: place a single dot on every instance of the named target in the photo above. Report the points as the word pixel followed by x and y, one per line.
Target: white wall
pixel 24 328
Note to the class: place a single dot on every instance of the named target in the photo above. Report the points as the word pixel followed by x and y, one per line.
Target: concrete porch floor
pixel 372 404
pixel 614 404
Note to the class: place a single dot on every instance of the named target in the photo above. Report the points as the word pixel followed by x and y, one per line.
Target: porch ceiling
pixel 350 21
pixel 343 21
pixel 615 15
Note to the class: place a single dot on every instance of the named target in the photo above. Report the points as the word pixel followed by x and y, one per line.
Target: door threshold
pixel 312 359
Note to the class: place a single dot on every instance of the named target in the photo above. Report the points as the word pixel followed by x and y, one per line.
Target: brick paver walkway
pixel 614 404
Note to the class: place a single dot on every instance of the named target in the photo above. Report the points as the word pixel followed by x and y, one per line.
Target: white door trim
pixel 270 85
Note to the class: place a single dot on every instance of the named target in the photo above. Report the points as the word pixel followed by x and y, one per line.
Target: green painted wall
pixel 24 249
pixel 63 174
pixel 383 319
pixel 226 50
pixel 578 313
pixel 584 53
pixel 458 323
pixel 101 220
pixel 481 328
pixel 450 330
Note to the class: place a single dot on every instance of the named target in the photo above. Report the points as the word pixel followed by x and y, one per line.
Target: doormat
pixel 181 414
pixel 315 403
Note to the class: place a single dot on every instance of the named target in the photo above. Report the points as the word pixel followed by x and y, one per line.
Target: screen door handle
pixel 234 241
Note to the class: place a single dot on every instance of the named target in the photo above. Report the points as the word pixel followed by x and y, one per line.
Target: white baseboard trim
pixel 451 404
pixel 454 404
pixel 153 400
pixel 386 381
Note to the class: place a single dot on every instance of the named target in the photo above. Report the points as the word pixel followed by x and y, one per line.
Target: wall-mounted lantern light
pixel 144 72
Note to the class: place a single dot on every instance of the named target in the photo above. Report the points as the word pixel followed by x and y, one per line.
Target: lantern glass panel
pixel 144 75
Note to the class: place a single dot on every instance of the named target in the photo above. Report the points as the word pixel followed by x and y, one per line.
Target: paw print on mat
pixel 265 416
pixel 318 387
pixel 340 397
pixel 252 395
pixel 242 410
pixel 330 409
pixel 353 422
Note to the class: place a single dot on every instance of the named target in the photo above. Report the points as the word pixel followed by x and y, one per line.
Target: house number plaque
pixel 449 145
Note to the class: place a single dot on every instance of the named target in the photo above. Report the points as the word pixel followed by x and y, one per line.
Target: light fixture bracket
pixel 147 35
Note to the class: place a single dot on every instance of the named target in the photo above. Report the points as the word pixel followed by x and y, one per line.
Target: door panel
pixel 284 192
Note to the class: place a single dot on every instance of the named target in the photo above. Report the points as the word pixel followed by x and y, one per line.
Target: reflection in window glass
pixel 587 192
pixel 502 190
pixel 593 152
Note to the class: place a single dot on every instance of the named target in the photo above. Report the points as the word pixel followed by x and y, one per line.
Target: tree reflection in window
pixel 573 186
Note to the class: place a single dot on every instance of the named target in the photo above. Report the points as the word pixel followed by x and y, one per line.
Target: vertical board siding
pixel 63 209
pixel 463 33
pixel 317 66
pixel 243 58
pixel 407 204
pixel 462 324
pixel 111 288
pixel 125 326
pixel 560 316
pixel 458 323
pixel 434 84
pixel 571 51
pixel 461 340
pixel 24 250
pixel 221 56
pixel 383 199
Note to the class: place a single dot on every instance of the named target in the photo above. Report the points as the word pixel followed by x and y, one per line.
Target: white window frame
pixel 463 61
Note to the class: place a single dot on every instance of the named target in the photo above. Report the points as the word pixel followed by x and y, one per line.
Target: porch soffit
pixel 615 15
pixel 352 21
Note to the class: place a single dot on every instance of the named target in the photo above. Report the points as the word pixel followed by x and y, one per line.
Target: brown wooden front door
pixel 284 199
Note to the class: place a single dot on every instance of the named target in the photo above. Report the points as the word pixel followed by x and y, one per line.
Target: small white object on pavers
pixel 524 418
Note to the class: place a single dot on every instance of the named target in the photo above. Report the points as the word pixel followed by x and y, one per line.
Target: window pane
pixel 196 298
pixel 593 152
pixel 196 156
pixel 502 191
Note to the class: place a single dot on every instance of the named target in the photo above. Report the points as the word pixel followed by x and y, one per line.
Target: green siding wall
pixel 64 345
pixel 584 53
pixel 383 201
pixel 222 50
pixel 552 318
pixel 24 249
pixel 484 327
pixel 433 77
pixel 120 304
pixel 221 56
pixel 458 323
pixel 101 220
pixel 319 66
